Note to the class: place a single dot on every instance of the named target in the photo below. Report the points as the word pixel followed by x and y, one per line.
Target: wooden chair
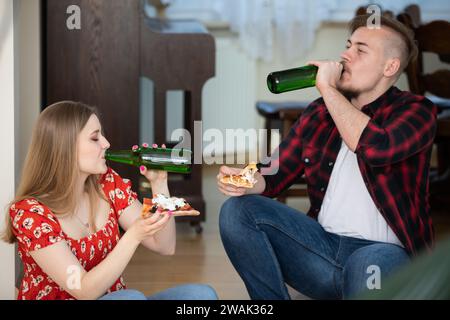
pixel 299 189
pixel 363 10
pixel 281 116
pixel 271 112
pixel 433 37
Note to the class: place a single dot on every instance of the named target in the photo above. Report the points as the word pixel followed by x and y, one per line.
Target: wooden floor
pixel 202 259
pixel 198 258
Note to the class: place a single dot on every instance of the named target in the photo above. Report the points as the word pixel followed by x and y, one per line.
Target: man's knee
pixel 368 267
pixel 235 217
pixel 230 213
pixel 387 256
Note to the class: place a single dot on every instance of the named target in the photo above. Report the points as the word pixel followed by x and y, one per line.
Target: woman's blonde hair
pixel 50 172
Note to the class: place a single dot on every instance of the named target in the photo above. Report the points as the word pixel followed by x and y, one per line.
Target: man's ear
pixel 392 67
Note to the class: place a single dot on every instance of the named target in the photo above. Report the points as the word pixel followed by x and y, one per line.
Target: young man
pixel 364 148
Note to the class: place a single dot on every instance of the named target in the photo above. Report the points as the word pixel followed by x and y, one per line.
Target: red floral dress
pixel 36 227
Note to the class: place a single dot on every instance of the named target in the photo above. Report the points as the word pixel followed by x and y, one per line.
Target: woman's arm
pixel 163 242
pixel 60 264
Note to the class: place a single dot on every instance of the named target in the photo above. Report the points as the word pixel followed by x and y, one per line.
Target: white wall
pixel 20 105
pixel 226 97
pixel 7 100
pixel 29 73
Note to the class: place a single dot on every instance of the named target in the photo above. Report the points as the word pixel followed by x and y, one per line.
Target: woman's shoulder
pixel 29 204
pixel 34 224
pixel 30 212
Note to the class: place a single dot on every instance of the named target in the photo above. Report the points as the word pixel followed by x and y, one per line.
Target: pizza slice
pixel 245 179
pixel 177 206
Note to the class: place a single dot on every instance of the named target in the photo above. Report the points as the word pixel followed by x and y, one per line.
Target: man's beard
pixel 349 93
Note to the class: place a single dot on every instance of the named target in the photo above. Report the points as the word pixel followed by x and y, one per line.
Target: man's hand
pixel 328 75
pixel 234 191
pixel 228 189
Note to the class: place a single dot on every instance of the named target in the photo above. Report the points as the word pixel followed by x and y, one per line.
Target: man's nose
pixel 345 56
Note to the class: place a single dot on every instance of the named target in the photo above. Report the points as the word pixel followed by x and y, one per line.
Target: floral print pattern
pixel 36 227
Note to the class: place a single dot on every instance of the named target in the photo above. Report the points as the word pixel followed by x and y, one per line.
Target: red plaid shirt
pixel 393 155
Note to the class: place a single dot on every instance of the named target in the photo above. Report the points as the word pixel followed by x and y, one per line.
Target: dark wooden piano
pixel 101 65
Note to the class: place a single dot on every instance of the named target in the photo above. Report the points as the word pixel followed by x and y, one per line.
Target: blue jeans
pixel 183 292
pixel 271 244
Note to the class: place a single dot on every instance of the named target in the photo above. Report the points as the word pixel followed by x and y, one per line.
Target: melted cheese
pixel 170 204
pixel 248 173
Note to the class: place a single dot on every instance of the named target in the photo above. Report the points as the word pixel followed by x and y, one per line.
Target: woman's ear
pixel 392 67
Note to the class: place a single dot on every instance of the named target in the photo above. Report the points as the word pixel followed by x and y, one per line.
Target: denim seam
pixel 338 292
pixel 262 221
pixel 338 251
pixel 272 253
pixel 277 265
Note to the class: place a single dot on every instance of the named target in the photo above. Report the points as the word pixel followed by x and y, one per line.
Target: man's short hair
pixel 403 31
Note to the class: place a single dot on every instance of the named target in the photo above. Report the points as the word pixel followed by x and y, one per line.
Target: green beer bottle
pixel 170 160
pixel 292 79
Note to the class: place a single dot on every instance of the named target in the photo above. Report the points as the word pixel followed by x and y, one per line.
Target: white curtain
pixel 262 24
pixel 290 25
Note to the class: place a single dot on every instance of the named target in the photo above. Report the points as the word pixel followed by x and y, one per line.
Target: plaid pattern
pixel 393 155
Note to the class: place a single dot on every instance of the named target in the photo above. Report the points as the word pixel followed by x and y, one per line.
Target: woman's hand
pixel 154 176
pixel 144 228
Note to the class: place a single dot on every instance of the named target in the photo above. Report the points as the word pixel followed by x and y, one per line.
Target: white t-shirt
pixel 348 208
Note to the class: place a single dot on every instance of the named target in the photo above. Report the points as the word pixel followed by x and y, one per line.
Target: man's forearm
pixel 349 121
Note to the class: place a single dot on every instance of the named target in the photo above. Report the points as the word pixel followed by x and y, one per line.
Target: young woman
pixel 68 209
